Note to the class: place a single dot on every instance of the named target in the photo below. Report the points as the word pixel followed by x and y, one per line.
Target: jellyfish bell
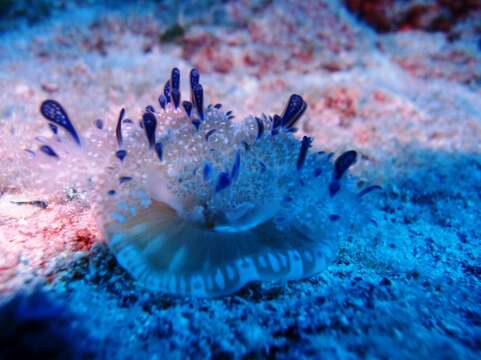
pixel 166 252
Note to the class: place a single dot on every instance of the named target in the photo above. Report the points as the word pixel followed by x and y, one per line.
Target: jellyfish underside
pixel 165 252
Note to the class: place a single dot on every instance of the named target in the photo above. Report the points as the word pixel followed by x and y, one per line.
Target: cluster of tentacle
pixel 193 202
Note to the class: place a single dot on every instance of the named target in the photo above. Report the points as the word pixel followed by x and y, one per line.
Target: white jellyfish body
pixel 192 203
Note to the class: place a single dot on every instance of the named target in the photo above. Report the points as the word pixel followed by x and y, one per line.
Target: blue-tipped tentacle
pixel 236 167
pixel 159 150
pixel 260 128
pixel 194 78
pixel 150 123
pixel 206 171
pixel 162 101
pixel 187 107
pixel 305 145
pixel 196 123
pixel 49 151
pixel 124 179
pixel 369 189
pixel 54 112
pixel 194 81
pixel 175 86
pixel 99 124
pixel 334 187
pixel 175 78
pixel 199 100
pixel 118 129
pixel 276 123
pixel 31 152
pixel 343 162
pixel 54 128
pixel 209 133
pixel 167 91
pixel 293 111
pixel 222 182
pixel 121 154
pixel 176 97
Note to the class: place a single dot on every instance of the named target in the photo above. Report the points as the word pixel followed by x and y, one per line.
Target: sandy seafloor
pixel 408 101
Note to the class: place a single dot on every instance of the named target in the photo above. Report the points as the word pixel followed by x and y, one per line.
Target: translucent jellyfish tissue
pixel 194 203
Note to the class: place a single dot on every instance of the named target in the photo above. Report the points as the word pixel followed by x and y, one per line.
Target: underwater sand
pixel 408 101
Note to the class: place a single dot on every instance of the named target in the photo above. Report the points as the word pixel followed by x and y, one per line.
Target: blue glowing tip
pixel 194 77
pixel 162 101
pixel 118 130
pixel 209 133
pixel 49 151
pixel 167 91
pixel 334 187
pixel 196 123
pixel 369 189
pixel 293 111
pixel 54 112
pixel 206 171
pixel 222 182
pixel 343 162
pixel 150 123
pixel 199 100
pixel 54 128
pixel 121 154
pixel 305 145
pixel 260 128
pixel 236 167
pixel 159 150
pixel 124 179
pixel 187 107
pixel 175 79
pixel 176 97
pixel 99 124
